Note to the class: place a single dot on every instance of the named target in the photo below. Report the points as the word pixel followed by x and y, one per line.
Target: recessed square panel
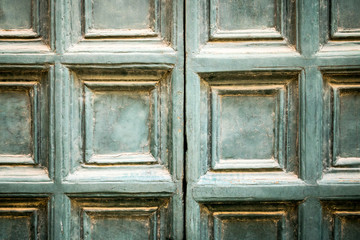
pixel 342 94
pixel 249 20
pixel 345 19
pixel 348 103
pixel 18 223
pixel 339 25
pixel 130 223
pixel 248 122
pixel 24 120
pixel 119 121
pixel 248 227
pixel 16 118
pixel 119 218
pixel 119 18
pixel 23 218
pixel 250 220
pixel 125 124
pixel 245 19
pixel 15 14
pixel 247 119
pixel 26 21
pixel 245 14
pixel 118 26
pixel 341 220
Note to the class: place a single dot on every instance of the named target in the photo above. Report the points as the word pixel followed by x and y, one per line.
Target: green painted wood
pixel 307 160
pixel 15 14
pixel 92 119
pixel 93 133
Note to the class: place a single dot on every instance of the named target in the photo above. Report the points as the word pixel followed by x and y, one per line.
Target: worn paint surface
pixel 92 119
pixel 272 117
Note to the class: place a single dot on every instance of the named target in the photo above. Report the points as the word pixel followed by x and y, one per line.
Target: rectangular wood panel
pixel 341 103
pixel 22 218
pixel 24 121
pixel 128 218
pixel 27 21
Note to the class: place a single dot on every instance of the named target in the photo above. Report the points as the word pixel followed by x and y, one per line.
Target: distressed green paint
pixel 303 130
pixel 247 127
pixel 16 225
pixel 344 18
pixel 108 226
pixel 245 14
pixel 348 122
pixel 16 122
pixel 247 228
pixel 121 122
pixel 121 14
pixel 309 189
pixel 101 120
pixel 16 14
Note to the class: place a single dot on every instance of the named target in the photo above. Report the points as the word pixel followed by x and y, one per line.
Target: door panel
pixel 25 124
pixel 271 106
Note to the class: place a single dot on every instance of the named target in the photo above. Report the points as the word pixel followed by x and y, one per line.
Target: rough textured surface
pixel 271 119
pixel 298 149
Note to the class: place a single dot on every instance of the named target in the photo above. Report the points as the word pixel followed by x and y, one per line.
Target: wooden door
pixel 91 119
pixel 272 119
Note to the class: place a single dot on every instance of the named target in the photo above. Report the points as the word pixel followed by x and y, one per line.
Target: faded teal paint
pixel 102 120
pixel 86 67
pixel 347 123
pixel 122 123
pixel 344 19
pixel 16 14
pixel 304 130
pixel 243 14
pixel 247 126
pixel 16 122
pixel 121 14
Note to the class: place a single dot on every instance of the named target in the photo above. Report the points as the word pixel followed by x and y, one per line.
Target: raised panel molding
pixel 24 121
pixel 22 218
pixel 342 99
pixel 339 25
pixel 242 19
pixel 130 218
pixel 244 26
pixel 117 26
pixel 249 220
pixel 118 19
pixel 25 26
pixel 341 219
pixel 106 137
pixel 255 108
pixel 345 20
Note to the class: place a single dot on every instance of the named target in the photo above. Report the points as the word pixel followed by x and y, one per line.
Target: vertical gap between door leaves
pixel 184 181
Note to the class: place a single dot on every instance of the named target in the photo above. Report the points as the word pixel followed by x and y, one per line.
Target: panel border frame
pixel 335 33
pixel 90 33
pixel 121 158
pixel 248 34
pixel 33 159
pixel 281 103
pixel 32 32
pixel 335 80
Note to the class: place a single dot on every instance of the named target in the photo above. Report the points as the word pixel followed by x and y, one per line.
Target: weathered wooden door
pixel 92 104
pixel 91 119
pixel 273 119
